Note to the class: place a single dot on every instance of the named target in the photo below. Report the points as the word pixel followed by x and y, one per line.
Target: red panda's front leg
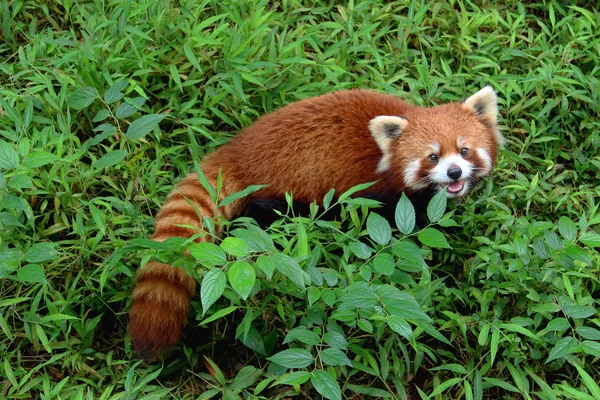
pixel 162 294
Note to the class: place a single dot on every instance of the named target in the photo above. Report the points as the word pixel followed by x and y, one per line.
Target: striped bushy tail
pixel 162 294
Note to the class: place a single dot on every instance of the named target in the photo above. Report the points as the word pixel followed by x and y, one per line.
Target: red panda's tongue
pixel 456 187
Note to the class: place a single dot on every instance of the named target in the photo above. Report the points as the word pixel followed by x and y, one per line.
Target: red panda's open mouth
pixel 456 187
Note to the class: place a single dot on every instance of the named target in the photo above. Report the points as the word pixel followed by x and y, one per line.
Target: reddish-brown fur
pixel 305 148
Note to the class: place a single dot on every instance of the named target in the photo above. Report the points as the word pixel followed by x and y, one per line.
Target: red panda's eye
pixel 433 158
pixel 464 152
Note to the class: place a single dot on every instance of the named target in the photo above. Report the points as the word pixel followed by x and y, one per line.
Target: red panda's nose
pixel 454 172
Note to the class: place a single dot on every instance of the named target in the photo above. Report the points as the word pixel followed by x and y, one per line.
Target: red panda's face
pixel 448 148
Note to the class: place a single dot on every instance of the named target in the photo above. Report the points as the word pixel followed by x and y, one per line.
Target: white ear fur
pixel 485 104
pixel 385 129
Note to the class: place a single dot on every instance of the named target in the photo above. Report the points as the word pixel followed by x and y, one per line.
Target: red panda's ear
pixel 385 129
pixel 485 105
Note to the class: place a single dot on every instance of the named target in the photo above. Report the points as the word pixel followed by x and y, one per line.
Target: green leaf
pixel 129 107
pixel 208 253
pixel 81 98
pixel 294 378
pixel 245 378
pixel 360 250
pixel 41 252
pixel 334 358
pixel 38 159
pixel 302 335
pixel 111 158
pixel 234 246
pixel 291 269
pixel 359 295
pixel 433 238
pixel 266 265
pixel 335 339
pixel 212 287
pixel 9 158
pixel 31 273
pixel 101 115
pixel 384 264
pixel 379 229
pixel 218 314
pixel 587 332
pixel 589 382
pixel 590 239
pixel 405 215
pixel 143 125
pixel 369 391
pixel 242 193
pixel 400 326
pixel 327 199
pixel 437 206
pixel 293 358
pixel 562 348
pixel 576 311
pixel 326 385
pixel 353 190
pixel 591 348
pixel 400 303
pixel 242 278
pixel 553 240
pixel 567 229
pixel 113 94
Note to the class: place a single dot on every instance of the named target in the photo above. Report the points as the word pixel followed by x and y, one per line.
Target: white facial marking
pixel 486 159
pixel 435 147
pixel 384 163
pixel 439 174
pixel 410 175
pixel 459 142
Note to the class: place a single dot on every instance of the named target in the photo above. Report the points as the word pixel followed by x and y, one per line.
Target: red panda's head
pixel 449 147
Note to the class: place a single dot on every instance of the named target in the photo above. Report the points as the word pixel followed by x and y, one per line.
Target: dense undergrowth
pixel 103 105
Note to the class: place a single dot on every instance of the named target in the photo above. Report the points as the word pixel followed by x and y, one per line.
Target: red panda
pixel 337 141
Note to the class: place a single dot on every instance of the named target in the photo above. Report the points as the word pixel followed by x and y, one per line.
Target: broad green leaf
pixel 81 98
pixel 359 295
pixel 384 264
pixel 242 277
pixel 400 326
pixel 291 269
pixel 369 391
pixel 437 206
pixel 143 125
pixel 590 347
pixel 245 378
pixel 400 303
pixel 326 385
pixel 589 333
pixel 111 158
pixel 31 273
pixel 293 358
pixel 405 215
pixel 335 339
pixel 379 229
pixel 101 115
pixel 266 265
pixel 234 246
pixel 433 238
pixel 334 357
pixel 302 335
pixel 294 378
pixel 562 348
pixel 567 229
pixel 360 250
pixel 208 253
pixel 590 239
pixel 38 159
pixel 113 94
pixel 41 252
pixel 212 287
pixel 129 107
pixel 9 158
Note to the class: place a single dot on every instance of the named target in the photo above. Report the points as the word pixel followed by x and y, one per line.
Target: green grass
pixel 510 311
